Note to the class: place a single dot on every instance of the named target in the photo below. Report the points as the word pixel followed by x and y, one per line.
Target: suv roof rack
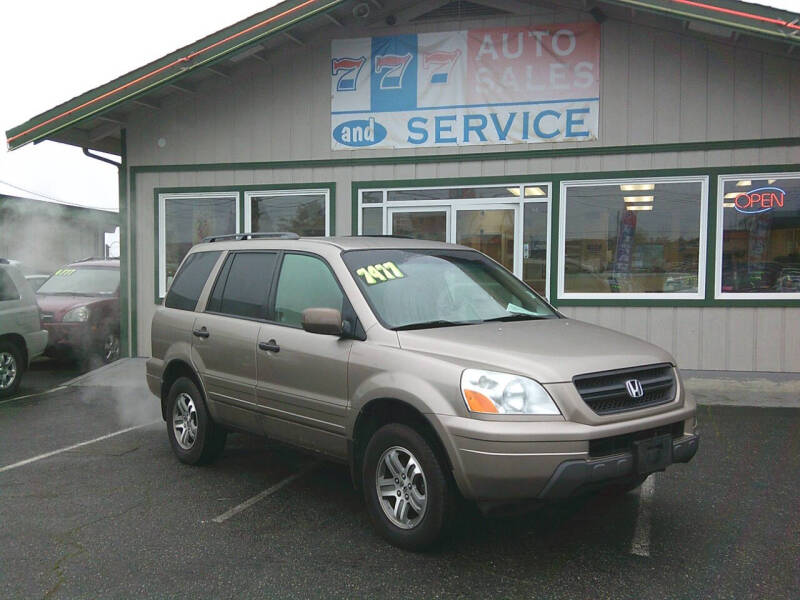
pixel 256 235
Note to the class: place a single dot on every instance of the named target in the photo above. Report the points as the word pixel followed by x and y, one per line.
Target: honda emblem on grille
pixel 634 387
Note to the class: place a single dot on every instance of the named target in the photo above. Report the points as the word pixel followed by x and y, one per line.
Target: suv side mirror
pixel 327 321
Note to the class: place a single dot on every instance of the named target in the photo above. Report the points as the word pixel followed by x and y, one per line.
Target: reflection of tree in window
pixel 301 214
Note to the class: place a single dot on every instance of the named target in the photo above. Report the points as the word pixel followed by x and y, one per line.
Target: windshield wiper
pixel 516 317
pixel 432 324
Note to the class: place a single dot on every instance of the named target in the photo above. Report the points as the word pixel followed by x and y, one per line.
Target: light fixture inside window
pixel 531 191
pixel 744 183
pixel 728 205
pixel 730 195
pixel 771 181
pixel 637 187
pixel 514 191
pixel 640 207
pixel 629 199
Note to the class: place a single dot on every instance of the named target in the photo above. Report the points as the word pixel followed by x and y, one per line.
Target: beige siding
pixel 657 86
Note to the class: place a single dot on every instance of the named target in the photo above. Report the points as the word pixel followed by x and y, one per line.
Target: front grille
pixel 606 393
pixel 624 443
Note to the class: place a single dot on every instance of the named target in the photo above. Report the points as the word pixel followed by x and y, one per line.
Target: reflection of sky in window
pixel 188 220
pixel 594 211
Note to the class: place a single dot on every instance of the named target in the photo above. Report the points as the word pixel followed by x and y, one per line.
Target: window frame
pixel 161 256
pixel 702 256
pixel 452 205
pixel 229 257
pixel 273 292
pixel 720 233
pixel 251 193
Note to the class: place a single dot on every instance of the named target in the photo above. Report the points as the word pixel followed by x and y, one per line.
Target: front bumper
pixel 574 476
pixel 69 338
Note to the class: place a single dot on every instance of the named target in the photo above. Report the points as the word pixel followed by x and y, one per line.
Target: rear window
pixel 242 288
pixel 185 290
pixel 8 291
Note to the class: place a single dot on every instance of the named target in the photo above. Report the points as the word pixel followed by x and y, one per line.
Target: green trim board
pixel 176 65
pixel 583 151
pixel 771 31
pixel 239 190
pixel 557 178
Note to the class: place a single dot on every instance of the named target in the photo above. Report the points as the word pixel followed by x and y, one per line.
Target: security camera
pixel 361 10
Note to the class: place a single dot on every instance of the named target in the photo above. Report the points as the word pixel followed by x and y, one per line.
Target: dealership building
pixel 635 161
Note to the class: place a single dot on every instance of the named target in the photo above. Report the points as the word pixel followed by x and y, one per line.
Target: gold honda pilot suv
pixel 427 367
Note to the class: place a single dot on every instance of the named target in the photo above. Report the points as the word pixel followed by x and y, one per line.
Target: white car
pixel 21 335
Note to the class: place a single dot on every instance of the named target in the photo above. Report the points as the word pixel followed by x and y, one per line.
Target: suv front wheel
pixel 194 437
pixel 405 487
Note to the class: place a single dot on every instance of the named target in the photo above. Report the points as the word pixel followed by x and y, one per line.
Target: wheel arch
pixel 381 411
pixel 19 342
pixel 175 369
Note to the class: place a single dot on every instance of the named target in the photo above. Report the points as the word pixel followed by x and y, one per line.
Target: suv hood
pixel 58 305
pixel 549 350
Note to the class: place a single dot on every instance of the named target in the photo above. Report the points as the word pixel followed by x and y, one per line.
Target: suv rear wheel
pixel 194 437
pixel 406 489
pixel 11 368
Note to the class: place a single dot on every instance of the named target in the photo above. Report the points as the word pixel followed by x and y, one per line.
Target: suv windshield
pixel 419 289
pixel 85 281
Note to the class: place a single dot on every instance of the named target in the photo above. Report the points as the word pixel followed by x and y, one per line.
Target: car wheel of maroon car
pixel 110 350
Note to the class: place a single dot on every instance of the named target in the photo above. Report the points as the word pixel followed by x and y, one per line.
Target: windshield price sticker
pixel 64 272
pixel 379 272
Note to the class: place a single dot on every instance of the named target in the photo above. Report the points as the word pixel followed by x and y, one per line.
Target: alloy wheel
pixel 401 487
pixel 8 370
pixel 184 421
pixel 111 348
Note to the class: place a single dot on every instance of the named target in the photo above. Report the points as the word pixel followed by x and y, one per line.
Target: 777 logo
pixel 392 67
pixel 441 64
pixel 349 69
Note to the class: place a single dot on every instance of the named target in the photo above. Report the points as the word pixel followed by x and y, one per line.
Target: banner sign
pixel 515 85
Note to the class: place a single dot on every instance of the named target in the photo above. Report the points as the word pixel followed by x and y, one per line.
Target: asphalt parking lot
pixel 120 517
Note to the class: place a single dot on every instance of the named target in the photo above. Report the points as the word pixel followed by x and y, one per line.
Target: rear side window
pixel 242 288
pixel 185 290
pixel 8 291
pixel 305 282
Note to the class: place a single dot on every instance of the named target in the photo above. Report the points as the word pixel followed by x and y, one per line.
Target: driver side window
pixel 304 282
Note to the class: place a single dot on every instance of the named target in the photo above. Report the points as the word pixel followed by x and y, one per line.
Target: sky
pixel 54 50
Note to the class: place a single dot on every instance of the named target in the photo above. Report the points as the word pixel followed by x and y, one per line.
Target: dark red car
pixel 79 307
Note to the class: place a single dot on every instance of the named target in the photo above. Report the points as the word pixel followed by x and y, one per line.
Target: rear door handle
pixel 270 346
pixel 201 333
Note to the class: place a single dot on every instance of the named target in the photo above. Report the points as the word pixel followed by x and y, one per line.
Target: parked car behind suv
pixel 427 367
pixel 21 335
pixel 80 310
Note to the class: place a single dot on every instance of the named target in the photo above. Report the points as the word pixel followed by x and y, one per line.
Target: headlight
pixel 491 392
pixel 77 315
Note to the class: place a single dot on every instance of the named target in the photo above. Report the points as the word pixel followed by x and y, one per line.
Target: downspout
pixel 126 348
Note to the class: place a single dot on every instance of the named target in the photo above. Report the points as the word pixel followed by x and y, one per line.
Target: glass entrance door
pixel 491 230
pixel 421 223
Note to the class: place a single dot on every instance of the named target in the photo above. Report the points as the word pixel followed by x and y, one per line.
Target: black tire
pixel 12 358
pixel 438 493
pixel 208 441
pixel 110 347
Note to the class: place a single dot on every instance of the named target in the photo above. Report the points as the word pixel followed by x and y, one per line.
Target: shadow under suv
pixel 427 367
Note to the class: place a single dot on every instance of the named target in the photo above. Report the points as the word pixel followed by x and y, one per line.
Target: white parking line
pixel 260 496
pixel 640 544
pixel 55 389
pixel 28 461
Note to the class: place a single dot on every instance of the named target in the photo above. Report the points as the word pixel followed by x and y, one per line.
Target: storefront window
pixel 636 237
pixel 303 213
pixel 184 221
pixel 759 247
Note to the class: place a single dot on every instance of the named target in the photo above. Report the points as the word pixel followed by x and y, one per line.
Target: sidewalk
pixel 732 388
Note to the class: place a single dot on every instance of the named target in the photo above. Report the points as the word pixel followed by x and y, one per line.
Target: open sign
pixel 759 200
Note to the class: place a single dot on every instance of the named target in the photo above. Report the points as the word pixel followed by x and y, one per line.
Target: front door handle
pixel 270 346
pixel 201 333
